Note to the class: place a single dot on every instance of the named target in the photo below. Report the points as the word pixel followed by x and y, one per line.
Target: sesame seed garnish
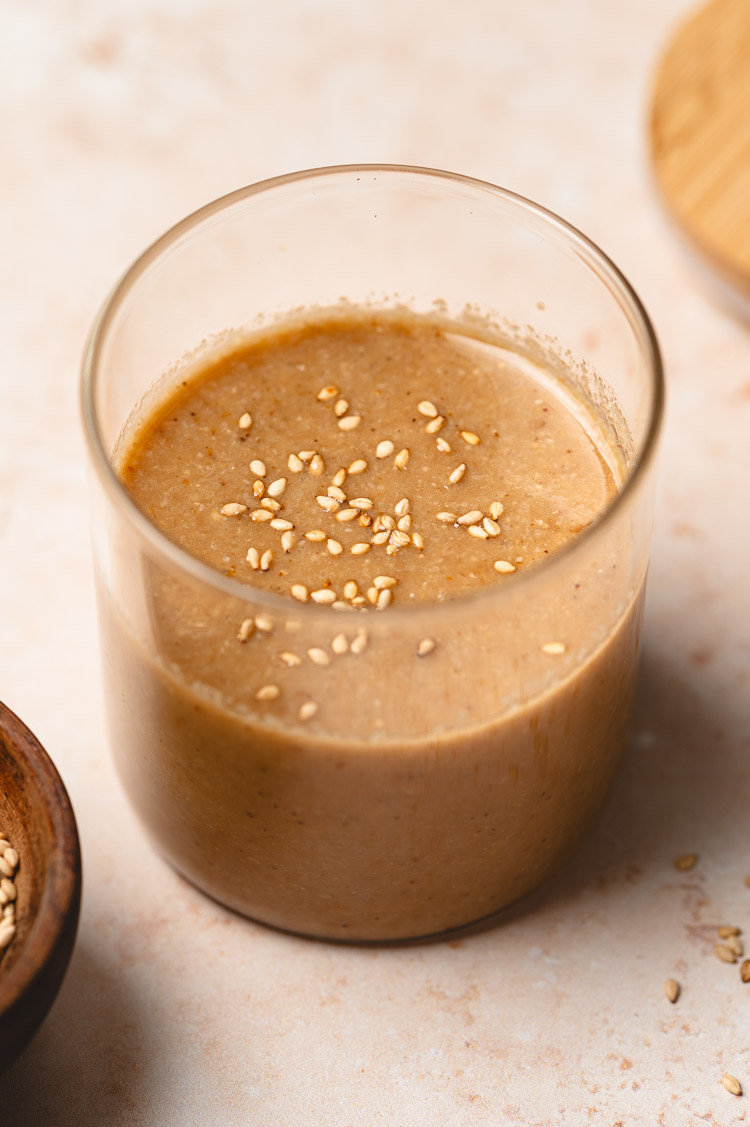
pixel 350 422
pixel 289 658
pixel 328 504
pixel 384 448
pixel 281 525
pixel 402 459
pixel 472 517
pixel 334 547
pixel 317 465
pixel 381 537
pixel 361 503
pixel 443 445
pixel 258 489
pixel 417 540
pixel 727 932
pixel 685 862
pixel 288 540
pixel 732 1084
pixel 447 518
pixel 351 589
pixel 246 630
pixel 308 710
pixel 340 644
pixel 264 623
pixel 340 605
pixel 335 491
pixel 505 567
pixel 735 944
pixel 745 971
pixel 268 692
pixel 372 595
pixel 496 510
pixel 359 465
pixel 553 648
pixel 478 532
pixel 469 437
pixel 258 467
pixel 725 953
pixel 365 520
pixel 323 595
pixel 457 474
pixel 360 548
pixel 299 591
pixel 359 601
pixel 266 560
pixel 246 421
pixel 384 599
pixel 426 646
pixel 401 508
pixel 435 425
pixel 315 534
pixel 491 527
pixel 269 504
pixel 329 392
pixel 339 477
pixel 233 509
pixel 277 487
pixel 253 558
pixel 384 581
pixel 306 455
pixel 359 645
pixel 347 514
pixel 404 523
pixel 428 409
pixel 294 464
pixel 341 407
pixel 318 656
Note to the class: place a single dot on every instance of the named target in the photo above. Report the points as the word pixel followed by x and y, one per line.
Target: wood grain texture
pixel 36 814
pixel 700 134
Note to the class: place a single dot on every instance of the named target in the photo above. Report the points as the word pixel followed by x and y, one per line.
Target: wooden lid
pixel 700 134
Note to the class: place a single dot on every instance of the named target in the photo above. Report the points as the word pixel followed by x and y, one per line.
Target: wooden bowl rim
pixel 61 889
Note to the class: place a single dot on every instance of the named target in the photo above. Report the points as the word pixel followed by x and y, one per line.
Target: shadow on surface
pixel 89 1063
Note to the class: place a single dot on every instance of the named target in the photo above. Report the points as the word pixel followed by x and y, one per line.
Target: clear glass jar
pixel 465 778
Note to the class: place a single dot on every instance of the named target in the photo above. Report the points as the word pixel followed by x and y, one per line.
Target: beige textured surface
pixel 115 120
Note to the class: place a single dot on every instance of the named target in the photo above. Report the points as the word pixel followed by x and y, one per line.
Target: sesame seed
pixel 672 990
pixel 359 601
pixel 281 525
pixel 428 409
pixel 365 520
pixel 269 504
pixel 306 455
pixel 496 510
pixel 417 540
pixel 317 465
pixel 315 534
pixel 359 465
pixel 727 932
pixel 253 558
pixel 360 548
pixel 318 656
pixel 340 644
pixel 334 491
pixel 294 464
pixel 443 445
pixel 350 422
pixel 361 503
pixel 381 537
pixel 289 658
pixel 329 392
pixel 359 645
pixel 258 489
pixel 469 437
pixel 341 407
pixel 553 648
pixel 384 448
pixel 505 567
pixel 339 477
pixel 685 862
pixel 266 560
pixel 276 488
pixel 735 944
pixel 268 692
pixel 402 459
pixel 264 622
pixel 447 518
pixel 258 467
pixel 300 592
pixel 384 581
pixel 246 421
pixel 400 539
pixel 732 1084
pixel 323 595
pixel 372 595
pixel 478 532
pixel 246 630
pixel 404 523
pixel 384 599
pixel 308 710
pixel 233 509
pixel 7 931
pixel 425 647
pixel 435 425
pixel 472 517
pixel 288 540
pixel 334 547
pixel 401 508
pixel 340 605
pixel 328 504
pixel 11 856
pixel 491 527
pixel 347 514
pixel 351 590
pixel 457 474
pixel 745 971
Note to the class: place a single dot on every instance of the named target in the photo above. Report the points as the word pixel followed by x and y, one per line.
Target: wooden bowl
pixel 36 816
